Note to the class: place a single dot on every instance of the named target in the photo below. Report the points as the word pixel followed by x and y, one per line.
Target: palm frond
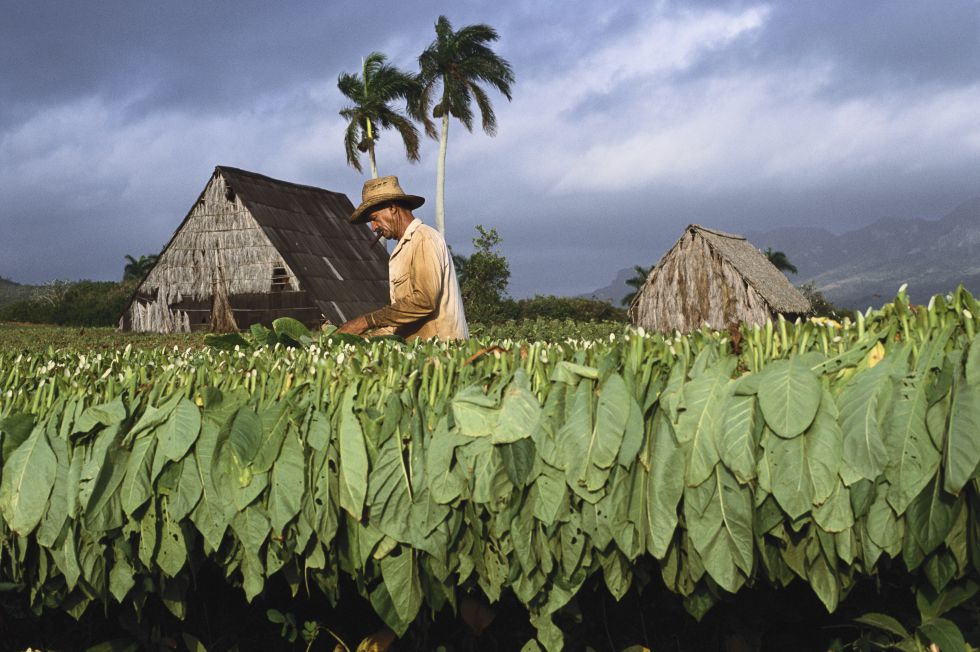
pixel 351 141
pixel 486 109
pixel 371 94
pixel 409 134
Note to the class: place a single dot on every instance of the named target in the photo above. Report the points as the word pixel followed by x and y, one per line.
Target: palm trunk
pixel 441 177
pixel 370 139
pixel 374 165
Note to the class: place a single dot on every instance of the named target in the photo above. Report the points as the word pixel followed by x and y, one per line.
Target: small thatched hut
pixel 714 278
pixel 253 249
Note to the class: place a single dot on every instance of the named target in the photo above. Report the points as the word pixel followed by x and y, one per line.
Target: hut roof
pixel 758 272
pixel 308 225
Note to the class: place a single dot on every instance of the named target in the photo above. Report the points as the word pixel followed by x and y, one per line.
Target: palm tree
pixel 371 94
pixel 459 61
pixel 641 274
pixel 780 261
pixel 137 269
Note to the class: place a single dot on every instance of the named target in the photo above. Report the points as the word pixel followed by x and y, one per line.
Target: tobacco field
pixel 817 455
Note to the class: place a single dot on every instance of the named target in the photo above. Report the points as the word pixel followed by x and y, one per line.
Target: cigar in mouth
pixel 375 241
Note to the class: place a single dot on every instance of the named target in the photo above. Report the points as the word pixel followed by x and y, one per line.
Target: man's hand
pixel 355 326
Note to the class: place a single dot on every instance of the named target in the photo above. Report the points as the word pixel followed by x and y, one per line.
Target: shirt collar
pixel 409 231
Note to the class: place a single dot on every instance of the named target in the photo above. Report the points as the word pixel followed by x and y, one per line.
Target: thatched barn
pixel 253 249
pixel 714 278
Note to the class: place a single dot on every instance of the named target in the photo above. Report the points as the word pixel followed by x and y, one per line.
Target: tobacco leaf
pixel 719 517
pixel 519 411
pixel 353 458
pixel 961 454
pixel 287 483
pixel 864 448
pixel 181 429
pixel 28 478
pixel 699 421
pixel 789 395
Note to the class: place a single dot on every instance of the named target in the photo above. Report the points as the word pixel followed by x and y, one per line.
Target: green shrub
pixel 82 303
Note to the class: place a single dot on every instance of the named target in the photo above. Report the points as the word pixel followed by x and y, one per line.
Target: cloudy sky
pixel 629 120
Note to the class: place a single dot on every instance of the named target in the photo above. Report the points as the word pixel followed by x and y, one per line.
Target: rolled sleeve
pixel 422 298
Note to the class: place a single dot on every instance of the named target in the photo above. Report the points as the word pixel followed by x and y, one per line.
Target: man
pixel 425 298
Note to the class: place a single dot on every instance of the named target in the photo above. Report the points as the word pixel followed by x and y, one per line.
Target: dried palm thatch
pixel 253 249
pixel 713 278
pixel 222 315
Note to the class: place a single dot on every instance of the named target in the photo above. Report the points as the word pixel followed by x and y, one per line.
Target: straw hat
pixel 379 191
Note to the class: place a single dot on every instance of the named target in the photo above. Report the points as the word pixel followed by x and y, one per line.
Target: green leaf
pixel 547 496
pixel 662 464
pixel 474 413
pixel 400 575
pixel 287 484
pixel 292 329
pixel 104 509
pixel 252 528
pixel 188 491
pixel 179 432
pixel 519 411
pixel 226 341
pixel 245 436
pixel 700 421
pixel 943 633
pixel 319 432
pixel 633 436
pixel 136 487
pixel 172 551
pixel 275 423
pixel 835 514
pixel 571 373
pixel 864 448
pixel 28 478
pixel 824 582
pixel 719 517
pixel 445 484
pixel 590 458
pixel 884 623
pixel 972 366
pixel 56 513
pixel 122 575
pixel 353 458
pixel 930 516
pixel 16 428
pixel 961 454
pixel 518 459
pixel 110 413
pixel 389 492
pixel 824 449
pixel 213 513
pixel 789 472
pixel 932 604
pixel 913 459
pixel 192 643
pixel 884 528
pixel 738 440
pixel 573 436
pixel 789 395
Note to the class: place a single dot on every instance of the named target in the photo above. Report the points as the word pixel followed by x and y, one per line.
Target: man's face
pixel 383 220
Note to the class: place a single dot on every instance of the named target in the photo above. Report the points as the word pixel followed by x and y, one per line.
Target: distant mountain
pixel 615 291
pixel 865 267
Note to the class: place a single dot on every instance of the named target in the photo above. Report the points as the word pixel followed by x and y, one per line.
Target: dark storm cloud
pixel 629 121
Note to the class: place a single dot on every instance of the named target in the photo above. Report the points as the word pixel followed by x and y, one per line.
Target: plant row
pixel 811 452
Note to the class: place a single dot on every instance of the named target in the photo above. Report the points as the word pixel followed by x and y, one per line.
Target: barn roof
pixel 755 268
pixel 330 256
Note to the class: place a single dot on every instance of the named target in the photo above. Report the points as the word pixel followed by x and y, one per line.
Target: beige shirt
pixel 425 298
